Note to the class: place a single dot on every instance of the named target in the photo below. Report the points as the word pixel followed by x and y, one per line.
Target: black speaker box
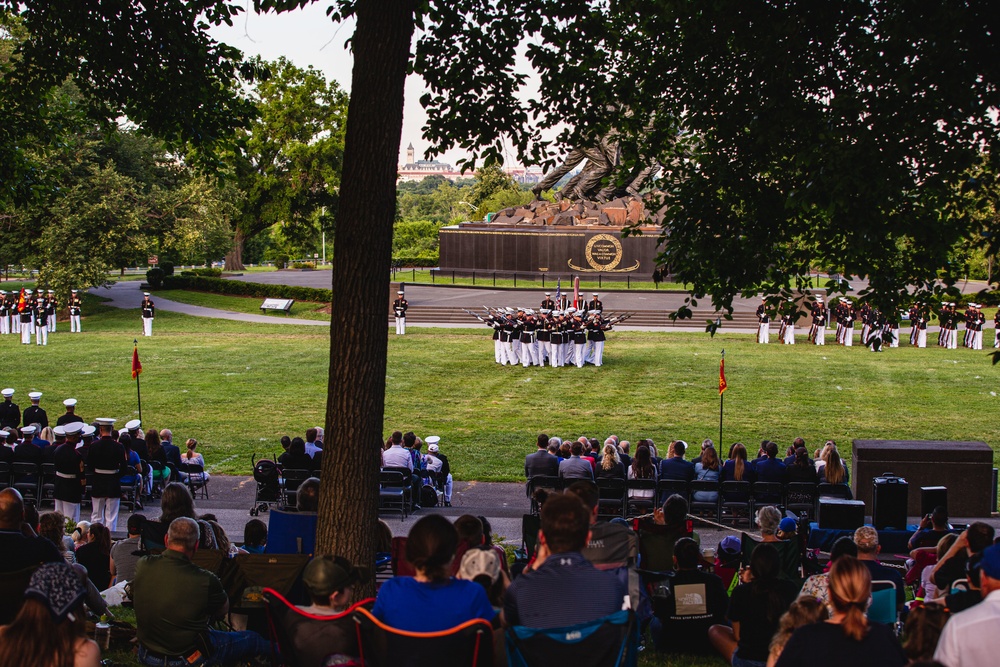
pixel 841 514
pixel 931 497
pixel 889 498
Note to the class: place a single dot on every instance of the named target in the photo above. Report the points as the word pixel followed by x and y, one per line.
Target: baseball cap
pixel 325 575
pixel 787 525
pixel 730 544
pixel 866 538
pixel 989 563
pixel 478 562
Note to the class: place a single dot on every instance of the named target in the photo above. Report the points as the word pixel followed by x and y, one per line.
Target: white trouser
pixel 400 326
pixel 922 338
pixel 105 510
pixel 69 510
pixel 996 337
pixel 895 337
pixel 26 334
pixel 556 355
pixel 528 355
pixel 41 336
pixel 52 323
pixel 953 339
pixel 790 335
pixel 15 323
pixel 598 352
pixel 977 340
pixel 764 333
pixel 866 331
pixel 147 326
pixel 448 488
pixel 544 350
pixel 581 354
pixel 5 324
pixel 821 335
pixel 74 324
pixel 849 336
pixel 497 351
pixel 508 348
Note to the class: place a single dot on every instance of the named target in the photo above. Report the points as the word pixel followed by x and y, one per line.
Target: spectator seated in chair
pixel 769 521
pixel 431 601
pixel 817 586
pixel 866 537
pixel 806 610
pixel 675 467
pixel 687 604
pixel 658 535
pixel 932 528
pixel 970 637
pixel 755 608
pixel 847 638
pixel 973 540
pixel 330 581
pixel 611 544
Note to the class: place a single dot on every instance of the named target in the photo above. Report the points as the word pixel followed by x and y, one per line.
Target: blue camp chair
pixel 612 641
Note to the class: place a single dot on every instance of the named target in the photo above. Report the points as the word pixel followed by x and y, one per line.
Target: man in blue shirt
pixel 562 588
pixel 675 467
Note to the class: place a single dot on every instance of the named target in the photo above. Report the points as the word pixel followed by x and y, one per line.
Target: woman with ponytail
pixel 847 638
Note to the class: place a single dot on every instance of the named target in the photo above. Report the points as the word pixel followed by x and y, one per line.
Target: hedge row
pixel 240 288
pixel 409 261
pixel 208 273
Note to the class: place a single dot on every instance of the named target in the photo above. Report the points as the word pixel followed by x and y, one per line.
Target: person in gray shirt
pixel 574 467
pixel 123 553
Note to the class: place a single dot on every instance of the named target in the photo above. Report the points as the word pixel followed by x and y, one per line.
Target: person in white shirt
pixel 969 638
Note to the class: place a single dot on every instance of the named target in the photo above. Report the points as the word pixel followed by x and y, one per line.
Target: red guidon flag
pixel 21 303
pixel 722 375
pixel 136 366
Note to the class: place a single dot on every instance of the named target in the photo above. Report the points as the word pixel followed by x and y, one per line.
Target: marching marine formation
pixel 28 313
pixel 549 337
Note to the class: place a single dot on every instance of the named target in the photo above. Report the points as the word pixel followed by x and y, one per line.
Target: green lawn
pixel 244 304
pixel 239 387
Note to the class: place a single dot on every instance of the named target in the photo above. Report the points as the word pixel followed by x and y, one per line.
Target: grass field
pixel 244 304
pixel 239 387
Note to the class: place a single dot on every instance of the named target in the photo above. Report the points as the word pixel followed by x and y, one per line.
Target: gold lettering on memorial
pixel 603 253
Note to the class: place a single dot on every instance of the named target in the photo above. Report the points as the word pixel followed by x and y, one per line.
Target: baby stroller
pixel 268 478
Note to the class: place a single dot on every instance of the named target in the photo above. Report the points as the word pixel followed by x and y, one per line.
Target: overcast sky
pixel 308 37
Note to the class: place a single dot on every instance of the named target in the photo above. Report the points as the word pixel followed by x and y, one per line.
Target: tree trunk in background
pixel 348 512
pixel 234 258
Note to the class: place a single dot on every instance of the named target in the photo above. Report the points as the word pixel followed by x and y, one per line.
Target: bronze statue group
pixel 554 336
pixel 878 330
pixel 28 315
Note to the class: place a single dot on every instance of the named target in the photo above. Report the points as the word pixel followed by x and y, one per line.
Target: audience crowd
pixel 749 601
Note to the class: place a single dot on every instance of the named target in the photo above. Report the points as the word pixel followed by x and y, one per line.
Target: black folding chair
pixel 611 498
pixel 293 478
pixel 48 484
pixel 712 507
pixel 767 494
pixel 25 477
pixel 640 504
pixel 394 493
pixel 668 487
pixel 734 500
pixel 800 497
pixel 196 479
pixel 548 482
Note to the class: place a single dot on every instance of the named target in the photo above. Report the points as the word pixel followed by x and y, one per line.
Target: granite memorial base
pixel 964 468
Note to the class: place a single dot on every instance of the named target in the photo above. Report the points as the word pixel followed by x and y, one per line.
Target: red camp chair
pixel 467 645
pixel 308 640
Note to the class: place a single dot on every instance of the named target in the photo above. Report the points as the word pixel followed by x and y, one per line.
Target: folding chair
pixel 800 497
pixel 467 645
pixel 548 482
pixel 4 474
pixel 883 607
pixel 656 545
pixel 734 498
pixel 668 487
pixel 612 641
pixel 291 532
pixel 195 478
pixel 766 494
pixel 611 498
pixel 641 505
pixel 309 639
pixel 26 479
pixel 711 506
pixel 247 575
pixel 293 478
pixel 394 493
pixel 48 484
pixel 834 491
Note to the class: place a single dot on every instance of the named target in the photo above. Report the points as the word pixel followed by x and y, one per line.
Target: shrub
pixel 404 261
pixel 281 261
pixel 155 277
pixel 168 268
pixel 303 265
pixel 240 288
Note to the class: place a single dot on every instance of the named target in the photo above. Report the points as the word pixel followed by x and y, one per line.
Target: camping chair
pixel 291 532
pixel 247 575
pixel 656 545
pixel 883 606
pixel 612 641
pixel 467 645
pixel 308 639
pixel 788 552
pixel 194 476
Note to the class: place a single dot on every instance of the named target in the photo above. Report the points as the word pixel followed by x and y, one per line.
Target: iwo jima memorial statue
pixel 579 233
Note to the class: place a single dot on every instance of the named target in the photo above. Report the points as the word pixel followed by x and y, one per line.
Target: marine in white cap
pixel 41 320
pixel 10 413
pixel 108 460
pixel 548 303
pixel 594 304
pixel 70 415
pixel 399 307
pixel 5 307
pixel 70 481
pixel 438 462
pixel 35 414
pixel 75 309
pixel 51 306
pixel 27 451
pixel 27 318
pixel 148 313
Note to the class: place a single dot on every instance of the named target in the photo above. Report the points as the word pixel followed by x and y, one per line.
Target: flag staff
pixel 722 391
pixel 136 371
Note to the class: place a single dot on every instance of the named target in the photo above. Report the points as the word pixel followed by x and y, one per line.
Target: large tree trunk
pixel 348 511
pixel 234 258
